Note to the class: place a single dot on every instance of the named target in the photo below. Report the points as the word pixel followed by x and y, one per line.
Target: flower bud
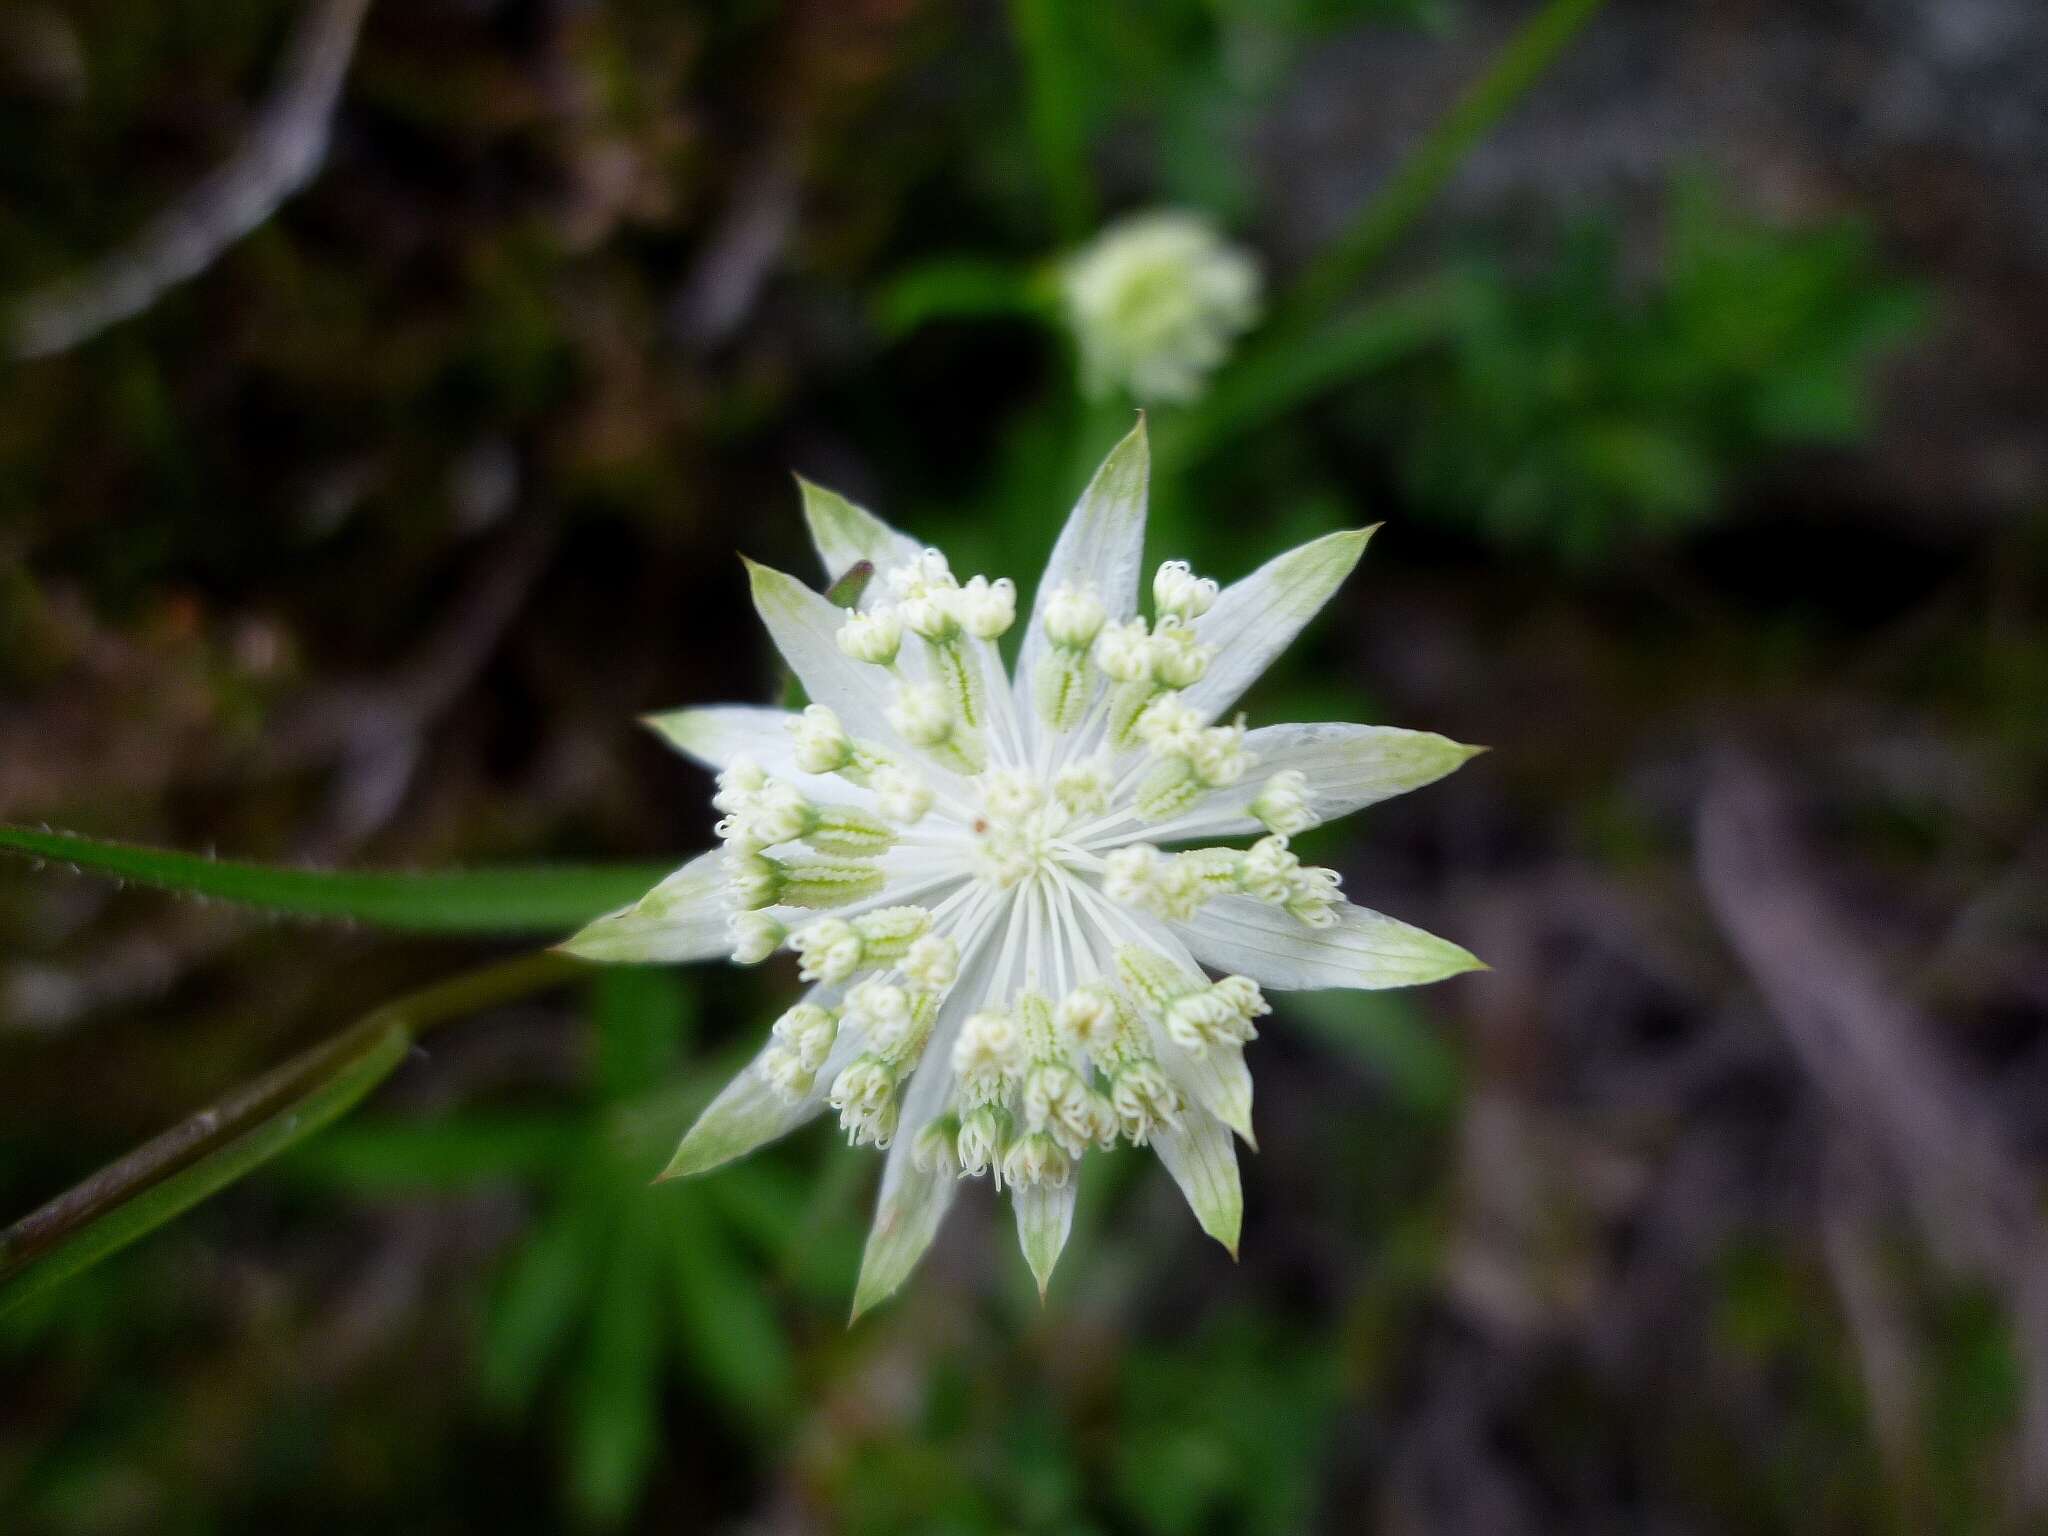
pixel 755 936
pixel 1083 787
pixel 900 794
pixel 1123 652
pixel 1073 617
pixel 933 962
pixel 1282 803
pixel 987 608
pixel 921 714
pixel 1176 658
pixel 822 745
pixel 830 950
pixel 873 637
pixel 1177 592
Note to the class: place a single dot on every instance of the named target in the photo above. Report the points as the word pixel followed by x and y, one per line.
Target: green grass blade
pixel 512 899
pixel 1416 182
pixel 126 1220
pixel 1057 115
pixel 168 1176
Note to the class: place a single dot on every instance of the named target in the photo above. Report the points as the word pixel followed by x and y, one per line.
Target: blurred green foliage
pixel 1583 409
pixel 491 271
pixel 619 1291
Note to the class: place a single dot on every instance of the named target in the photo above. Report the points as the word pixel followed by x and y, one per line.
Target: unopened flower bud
pixel 821 742
pixel 873 637
pixel 1073 617
pixel 1177 592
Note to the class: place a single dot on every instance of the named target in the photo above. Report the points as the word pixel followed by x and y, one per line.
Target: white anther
pixel 1123 652
pixel 1282 803
pixel 1218 756
pixel 921 573
pixel 985 1051
pixel 1073 617
pixel 874 636
pixel 900 794
pixel 1176 658
pixel 829 948
pixel 922 715
pixel 738 783
pixel 1087 1019
pixel 883 1012
pixel 987 608
pixel 1010 794
pixel 1169 727
pixel 1083 787
pixel 933 962
pixel 779 814
pixel 1179 593
pixel 1130 874
pixel 821 742
pixel 1268 870
pixel 755 936
pixel 933 614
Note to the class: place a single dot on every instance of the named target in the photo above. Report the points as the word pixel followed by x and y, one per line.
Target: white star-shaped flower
pixel 1008 967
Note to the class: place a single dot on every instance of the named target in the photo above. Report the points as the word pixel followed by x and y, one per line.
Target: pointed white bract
pixel 1017 962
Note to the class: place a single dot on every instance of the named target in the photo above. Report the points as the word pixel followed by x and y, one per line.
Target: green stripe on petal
pixel 1045 1215
pixel 1362 949
pixel 1257 618
pixel 683 918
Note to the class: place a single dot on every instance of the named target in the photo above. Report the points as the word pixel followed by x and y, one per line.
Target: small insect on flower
pixel 1007 970
pixel 1155 303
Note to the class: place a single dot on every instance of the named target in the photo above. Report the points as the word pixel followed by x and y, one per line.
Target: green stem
pixel 516 899
pixel 1058 129
pixel 1415 184
pixel 168 1176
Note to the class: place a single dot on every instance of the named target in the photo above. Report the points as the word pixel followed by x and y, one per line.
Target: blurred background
pixel 388 389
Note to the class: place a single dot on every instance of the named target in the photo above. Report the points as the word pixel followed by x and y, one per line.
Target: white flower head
pixel 1155 303
pixel 1024 905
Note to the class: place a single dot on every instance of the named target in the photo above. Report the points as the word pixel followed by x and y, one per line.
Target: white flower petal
pixel 1102 546
pixel 1203 1161
pixel 846 534
pixel 1362 949
pixel 1218 1079
pixel 1346 767
pixel 717 735
pixel 1045 1214
pixel 683 918
pixel 913 1201
pixel 748 1113
pixel 1257 618
pixel 804 627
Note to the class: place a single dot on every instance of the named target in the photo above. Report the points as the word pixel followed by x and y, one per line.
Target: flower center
pixel 1013 834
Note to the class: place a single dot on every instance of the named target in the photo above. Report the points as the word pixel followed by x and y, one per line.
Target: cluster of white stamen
pixel 802 1039
pixel 1010 821
pixel 944 713
pixel 1178 885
